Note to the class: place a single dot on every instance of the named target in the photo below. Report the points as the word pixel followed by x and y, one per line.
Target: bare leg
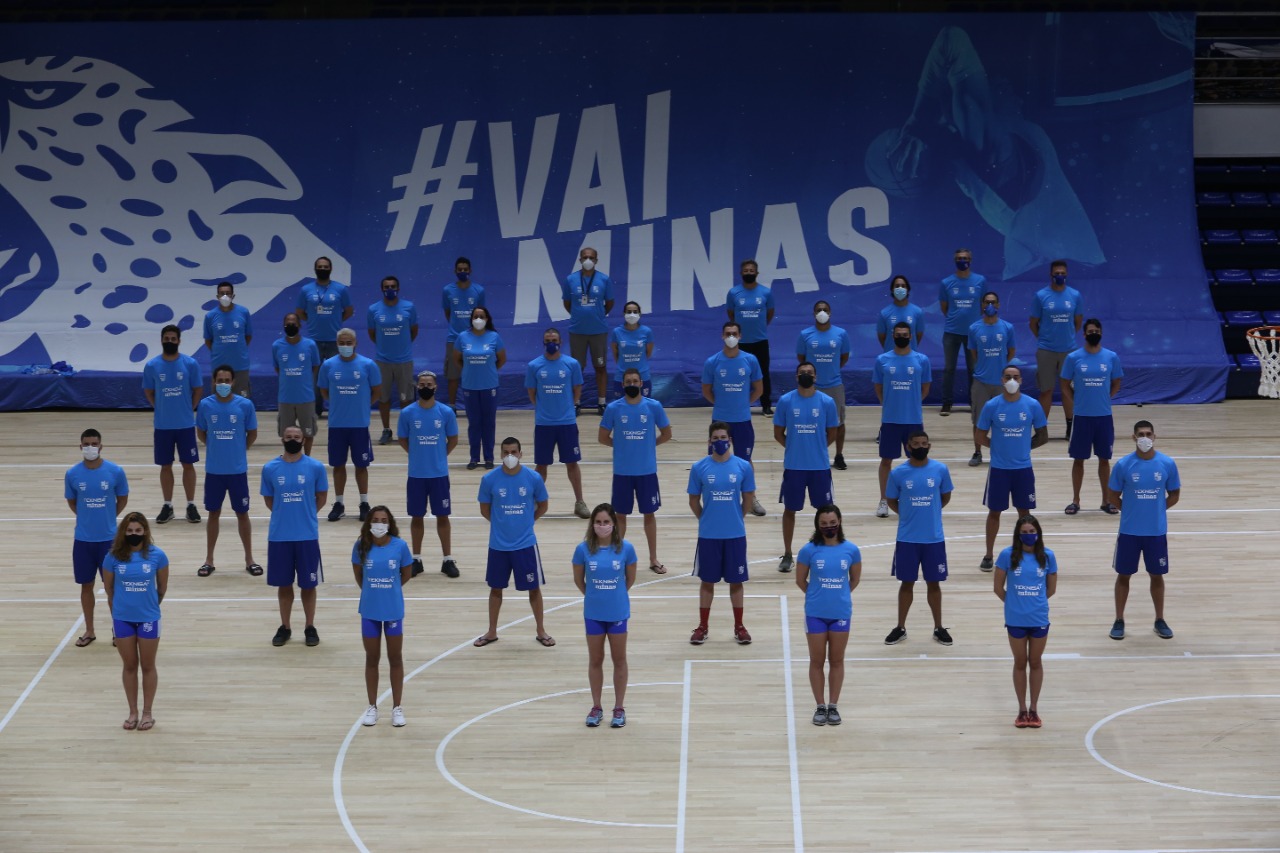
pixel 189 481
pixel 384 410
pixel 535 604
pixel 602 384
pixel 993 528
pixel 933 593
pixel 595 667
pixel 651 536
pixel 622 528
pixel 246 536
pixel 1122 594
pixel 362 480
pixel 885 466
pixel 495 606
pixel 453 393
pixel 575 479
pixel 838 641
pixel 372 658
pixel 444 530
pixel 1077 479
pixel 840 439
pixel 817 662
pixel 1104 474
pixel 339 479
pixel 706 594
pixel 307 442
pixel 309 605
pixel 542 471
pixel 1046 401
pixel 1019 648
pixel 735 594
pixel 150 678
pixel 128 648
pixel 1157 594
pixel 417 528
pixel 1035 653
pixel 395 657
pixel 788 529
pixel 211 534
pixel 618 652
pixel 1068 409
pixel 87 602
pixel 166 483
pixel 285 596
pixel 906 594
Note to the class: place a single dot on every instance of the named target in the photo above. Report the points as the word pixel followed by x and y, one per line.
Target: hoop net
pixel 1265 342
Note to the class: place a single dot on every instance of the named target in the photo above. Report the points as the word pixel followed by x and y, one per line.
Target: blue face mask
pixel 720 448
pixel 223 389
pixel 1028 538
pixel 552 347
pixel 463 276
pixel 1060 279
pixel 346 351
pixel 962 265
pixel 390 295
pixel 990 310
pixel 900 293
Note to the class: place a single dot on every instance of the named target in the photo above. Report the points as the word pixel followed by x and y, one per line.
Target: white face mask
pixel 822 316
pixel 731 342
pixel 478 323
pixel 90 453
pixel 224 300
pixel 604 531
pixel 899 293
pixel 379 530
pixel 346 350
pixel 631 319
pixel 510 460
pixel 1011 386
pixel 1145 444
pixel 588 265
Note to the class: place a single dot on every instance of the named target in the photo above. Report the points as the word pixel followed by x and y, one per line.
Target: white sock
pixel 191 503
pixel 168 503
pixel 364 499
pixel 417 558
pixel 448 556
pixel 338 499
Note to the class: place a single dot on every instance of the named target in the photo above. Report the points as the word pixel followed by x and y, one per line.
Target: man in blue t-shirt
pixel 990 349
pixel 1090 378
pixel 428 432
pixel 805 424
pixel 588 297
pixel 554 383
pixel 97 491
pixel 295 488
pixel 1056 313
pixel 228 329
pixel 393 327
pixel 731 382
pixel 1145 485
pixel 349 382
pixel 899 311
pixel 458 300
pixel 227 426
pixel 958 299
pixel 172 385
pixel 324 306
pixel 297 364
pixel 901 378
pixel 827 348
pixel 751 306
pixel 512 499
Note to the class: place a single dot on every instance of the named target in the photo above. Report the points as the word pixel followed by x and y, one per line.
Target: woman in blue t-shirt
pixel 382 564
pixel 632 346
pixel 480 353
pixel 604 568
pixel 828 569
pixel 1026 577
pixel 136 575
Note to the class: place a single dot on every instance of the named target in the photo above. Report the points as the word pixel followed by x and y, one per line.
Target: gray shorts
pixel 452 370
pixel 396 378
pixel 836 392
pixel 1048 368
pixel 240 383
pixel 297 414
pixel 979 394
pixel 598 344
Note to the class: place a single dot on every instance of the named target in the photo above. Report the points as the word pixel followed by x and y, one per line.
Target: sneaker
pixel 699 635
pixel 742 635
pixel 987 564
pixel 337 511
pixel 833 716
pixel 166 514
pixel 370 716
pixel 942 636
pixel 386 437
pixel 364 510
pixel 1117 630
pixel 600 410
pixel 418 569
pixel 945 410
pixel 193 514
pixel 619 718
pixel 1023 720
pixel 820 715
pixel 1068 435
pixel 581 510
pixel 897 635
pixel 473 465
pixel 1033 719
pixel 458 411
pixel 1163 630
pixel 839 464
pixel 282 636
pixel 594 716
pixel 882 511
pixel 577 409
pixel 397 716
pixel 312 635
pixel 757 508
pixel 767 411
pixel 449 569
pixel 976 459
pixel 488 464
pixel 786 563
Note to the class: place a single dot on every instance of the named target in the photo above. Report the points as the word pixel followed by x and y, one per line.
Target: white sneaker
pixel 882 511
pixel 370 716
pixel 757 508
pixel 397 716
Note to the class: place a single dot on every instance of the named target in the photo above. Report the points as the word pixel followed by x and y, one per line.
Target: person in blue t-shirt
pixel 632 346
pixel 1026 578
pixel 96 490
pixel 958 298
pixel 1056 312
pixel 228 329
pixel 901 378
pixel 588 297
pixel 1090 378
pixel 295 489
pixel 751 306
pixel 512 499
pixel 227 426
pixel 382 566
pixel 428 432
pixel 899 311
pixel 917 491
pixel 990 349
pixel 1145 485
pixel 136 575
pixel 721 485
pixel 172 385
pixel 634 427
pixel 480 354
pixel 1012 425
pixel 350 382
pixel 604 568
pixel 297 363
pixel 324 305
pixel 731 382
pixel 554 384
pixel 393 327
pixel 805 423
pixel 827 348
pixel 828 571
pixel 458 299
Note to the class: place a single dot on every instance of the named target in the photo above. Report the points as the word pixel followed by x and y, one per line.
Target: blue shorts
pixel 1005 483
pixel 631 489
pixel 595 627
pixel 908 557
pixel 423 490
pixel 353 439
pixel 721 560
pixel 165 440
pixel 646 388
pixel 1092 433
pixel 893 439
pixel 370 628
pixel 141 630
pixel 819 625
pixel 218 486
pixel 289 560
pixel 1153 549
pixel 743 436
pixel 525 564
pixel 87 559
pixel 557 439
pixel 796 483
pixel 1035 633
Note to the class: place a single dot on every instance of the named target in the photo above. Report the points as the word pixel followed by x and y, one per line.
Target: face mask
pixel 919 453
pixel 822 317
pixel 604 531
pixel 291 330
pixel 990 309
pixel 134 539
pixel 322 275
pixel 1145 444
pixel 478 323
pixel 731 342
pixel 223 389
pixel 1028 538
pixel 552 347
pixel 1093 339
pixel 379 530
pixel 346 351
pixel 805 380
pixel 631 319
pixel 426 393
pixel 632 391
pixel 510 461
pixel 224 300
pixel 588 265
pixel 900 293
pixel 292 446
pixel 463 276
pixel 720 448
pixel 749 278
pixel 962 265
pixel 830 532
pixel 901 342
pixel 1011 386
pixel 90 453
pixel 170 347
pixel 1059 279
pixel 390 295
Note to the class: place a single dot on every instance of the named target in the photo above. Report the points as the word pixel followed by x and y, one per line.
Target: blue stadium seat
pixel 1259 237
pixel 1220 236
pixel 1249 199
pixel 1242 319
pixel 1267 276
pixel 1271 318
pixel 1233 276
pixel 1213 199
pixel 1249 361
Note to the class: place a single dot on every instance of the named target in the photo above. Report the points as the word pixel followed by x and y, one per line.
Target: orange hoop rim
pixel 1263 333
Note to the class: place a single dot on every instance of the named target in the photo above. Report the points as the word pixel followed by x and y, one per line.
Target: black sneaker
pixel 364 510
pixel 600 410
pixel 488 464
pixel 987 564
pixel 945 410
pixel 820 715
pixel 312 635
pixel 1068 435
pixel 449 569
pixel 839 464
pixel 337 511
pixel 976 459
pixel 767 411
pixel 787 563
pixel 385 438
pixel 833 716
pixel 166 514
pixel 897 635
pixel 942 636
pixel 193 514
pixel 473 465
pixel 418 569
pixel 282 636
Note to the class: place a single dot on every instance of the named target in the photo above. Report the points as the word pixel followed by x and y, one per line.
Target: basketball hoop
pixel 1265 342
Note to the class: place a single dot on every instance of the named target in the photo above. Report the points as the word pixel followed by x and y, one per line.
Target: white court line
pixel 682 789
pixel 1001 659
pixel 797 822
pixel 39 675
pixel 1144 850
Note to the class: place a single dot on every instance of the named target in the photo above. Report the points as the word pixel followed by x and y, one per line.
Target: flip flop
pixel 84 640
pixel 205 570
pixel 1110 509
pixel 146 725
pixel 130 724
pixel 254 569
pixel 547 641
pixel 1072 509
pixel 658 569
pixel 483 641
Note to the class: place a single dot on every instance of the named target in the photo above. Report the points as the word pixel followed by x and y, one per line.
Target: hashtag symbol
pixel 448 189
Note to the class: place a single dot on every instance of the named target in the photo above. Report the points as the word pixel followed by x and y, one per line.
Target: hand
pixel 906 153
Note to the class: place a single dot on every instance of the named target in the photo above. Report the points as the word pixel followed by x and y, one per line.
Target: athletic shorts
pixel 87 559
pixel 141 630
pixel 909 557
pixel 595 627
pixel 1023 633
pixel 1154 551
pixel 743 436
pixel 632 489
pixel 423 490
pixel 551 440
pixel 893 439
pixel 1003 484
pixel 819 625
pixel 353 439
pixel 796 483
pixel 646 388
pixel 836 392
pixel 1049 369
pixel 1094 434
pixel 218 486
pixel 980 393
pixel 288 562
pixel 184 440
pixel 397 377
pixel 721 560
pixel 240 383
pixel 525 564
pixel 370 628
pixel 452 370
pixel 598 344
pixel 301 415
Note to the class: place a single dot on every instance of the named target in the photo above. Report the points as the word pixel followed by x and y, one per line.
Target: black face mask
pixel 1093 339
pixel 323 275
pixel 632 391
pixel 805 380
pixel 919 453
pixel 291 330
pixel 901 342
pixel 749 278
pixel 169 347
pixel 426 393
pixel 292 446
pixel 830 532
pixel 134 539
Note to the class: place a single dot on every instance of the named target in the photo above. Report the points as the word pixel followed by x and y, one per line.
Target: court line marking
pixel 1097 756
pixel 1143 850
pixel 75 626
pixel 797 821
pixel 682 789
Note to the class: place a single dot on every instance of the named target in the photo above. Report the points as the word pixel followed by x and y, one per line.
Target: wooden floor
pixel 1148 744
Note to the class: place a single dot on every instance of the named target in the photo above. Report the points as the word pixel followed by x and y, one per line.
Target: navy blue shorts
pixel 165 441
pixel 796 483
pixel 1094 434
pixel 893 439
pixel 595 627
pixel 423 490
pixel 370 628
pixel 909 557
pixel 646 388
pixel 87 559
pixel 552 440
pixel 743 436
pixel 287 561
pixel 632 489
pixel 525 564
pixel 1154 551
pixel 819 625
pixel 141 630
pixel 1022 633
pixel 721 560
pixel 1005 483
pixel 218 486
pixel 353 439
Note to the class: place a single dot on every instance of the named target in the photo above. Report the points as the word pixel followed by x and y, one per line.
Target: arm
pixel 162 583
pixel 568 306
pixel 450 444
pixel 347 312
pixel 832 432
pixel 1115 386
pixel 71 502
pixel 942 306
pixel 613 346
pixel 768 317
pixel 250 437
pixel 946 499
pixel 892 503
pixel 404 444
pixel 195 398
pixel 577 395
pixel 981 438
pixel 608 306
pixel 358 571
pixel 881 336
pixel 413 332
pixel 997 580
pixel 502 358
pixel 1041 438
pixel 631 575
pixel 855 576
pixel 1068 392
pixel 540 510
pixel 1034 322
pixel 121 502
pixel 708 393
pixel 1051 584
pixel 695 504
pixel 664 435
pixel 757 390
pixel 780 435
pixel 268 500
pixel 605 437
pixel 802 577
pixel 322 498
pixel 1171 497
pixel 879 392
pixel 373 335
pixel 203 436
pixel 1079 318
pixel 580 577
pixel 924 389
pixel 648 351
pixel 109 581
pixel 533 396
pixel 748 498
pixel 151 397
pixel 208 344
pixel 484 510
pixel 406 572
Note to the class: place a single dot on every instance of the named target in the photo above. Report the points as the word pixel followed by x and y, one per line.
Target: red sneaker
pixel 741 635
pixel 699 635
pixel 1033 720
pixel 1023 720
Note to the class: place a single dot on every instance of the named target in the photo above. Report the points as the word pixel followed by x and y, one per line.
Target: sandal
pixel 1072 508
pixel 547 641
pixel 84 640
pixel 146 724
pixel 658 569
pixel 254 569
pixel 130 724
pixel 1110 509
pixel 483 641
pixel 205 570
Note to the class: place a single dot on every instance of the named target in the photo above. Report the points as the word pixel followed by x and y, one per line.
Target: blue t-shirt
pixel 605 573
pixel 95 490
pixel 554 380
pixel 901 378
pixel 292 487
pixel 1012 427
pixel 1057 313
pixel 225 425
pixel 721 485
pixel 135 597
pixel 891 315
pixel 633 349
pixel 751 307
pixel 392 327
pixel 730 380
pixel 294 363
pixel 992 343
pixel 230 332
pixel 824 351
pixel 806 420
pixel 1143 486
pixel 324 307
pixel 635 428
pixel 174 383
pixel 459 302
pixel 1090 375
pixel 381 596
pixel 963 297
pixel 512 500
pixel 350 385
pixel 1026 588
pixel 828 595
pixel 428 429
pixel 586 302
pixel 919 491
pixel 479 359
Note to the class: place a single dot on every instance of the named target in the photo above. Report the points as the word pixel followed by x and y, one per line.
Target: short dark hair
pixel 902 324
pixel 221 367
pixel 91 433
pixel 1140 424
pixel 1092 321
pixel 631 371
pixel 387 278
pixel 171 328
pixel 223 284
pixel 728 323
pixel 715 425
pixel 806 364
pixel 511 439
pixel 551 329
pixel 918 433
pixel 1058 263
pixel 462 260
pixel 820 302
pixel 893 280
pixel 990 293
pixel 321 258
pixel 751 261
